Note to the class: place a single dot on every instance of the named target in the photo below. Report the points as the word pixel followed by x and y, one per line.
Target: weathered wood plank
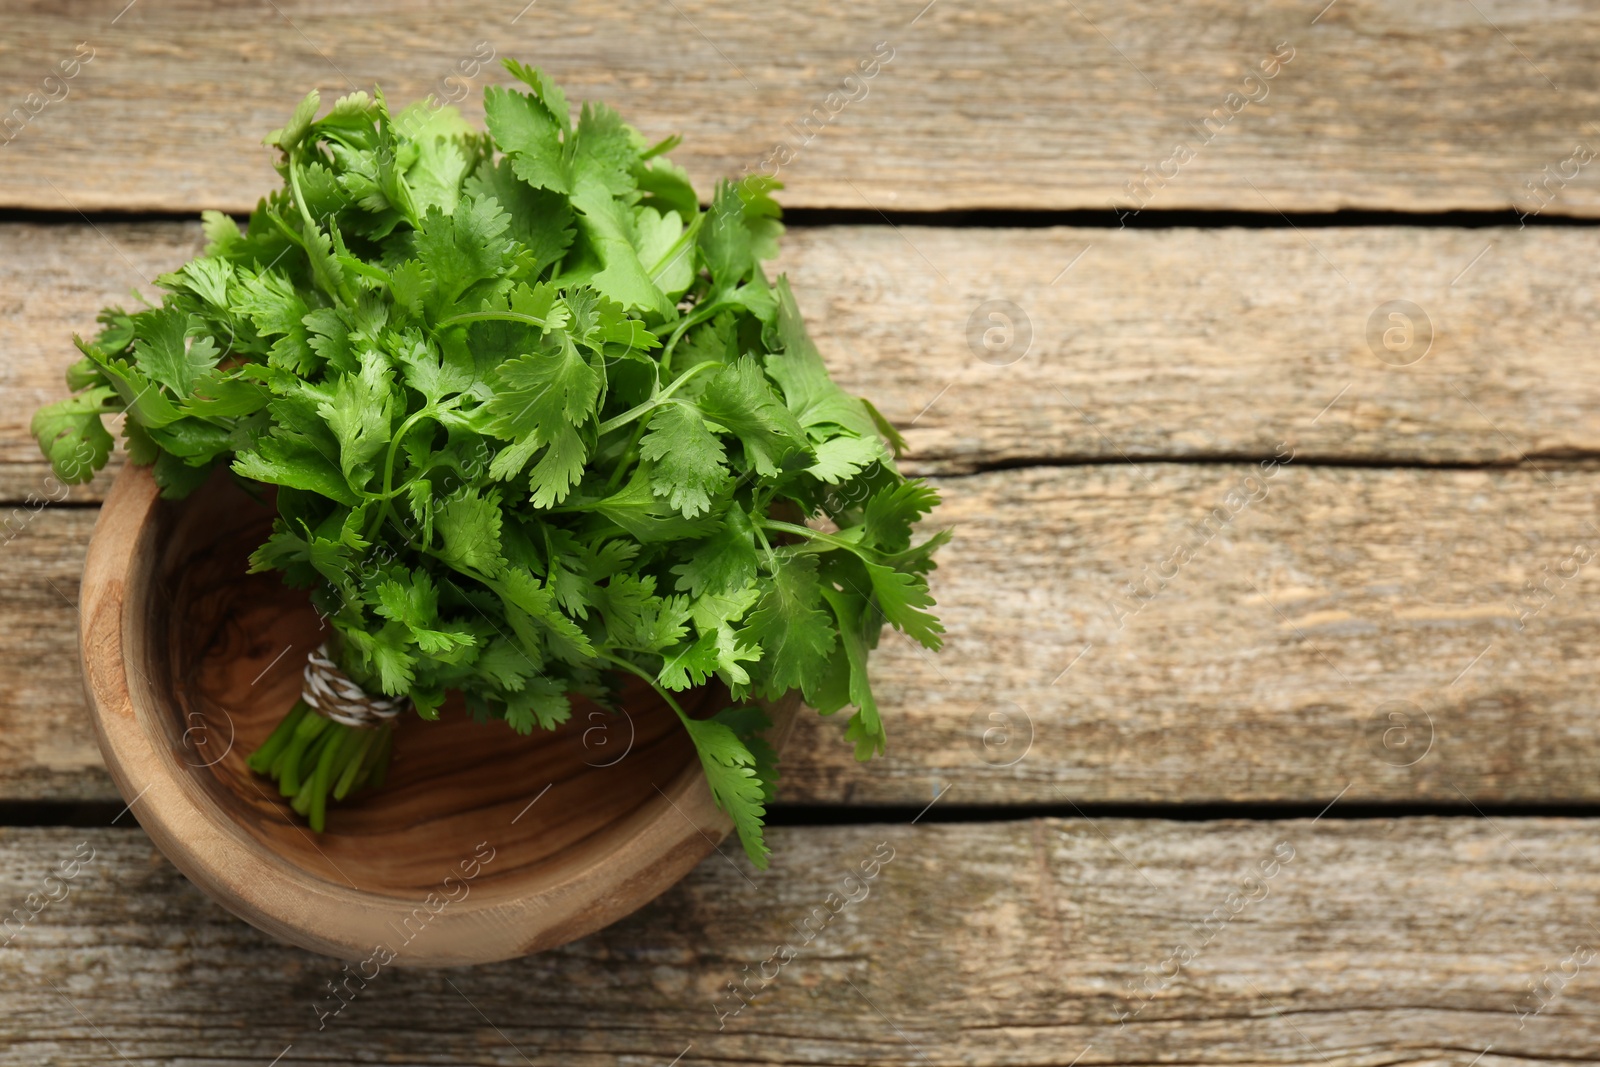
pixel 1351 943
pixel 1414 106
pixel 1266 668
pixel 1155 344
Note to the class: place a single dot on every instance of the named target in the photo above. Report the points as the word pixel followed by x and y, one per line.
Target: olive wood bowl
pixel 482 845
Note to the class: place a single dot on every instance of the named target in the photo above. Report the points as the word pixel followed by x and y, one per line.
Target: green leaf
pixel 902 598
pixel 359 414
pixel 465 248
pixel 548 92
pixel 72 435
pixel 165 353
pixel 725 241
pixel 543 701
pixel 749 723
pixel 558 470
pixel 740 399
pixel 609 226
pixel 527 132
pixel 890 514
pixel 794 632
pixel 843 457
pixel 469 529
pixel 541 221
pixel 723 563
pixel 668 258
pixel 299 123
pixel 865 727
pixel 277 309
pixel 648 518
pixel 690 464
pixel 810 394
pixel 735 782
pixel 537 396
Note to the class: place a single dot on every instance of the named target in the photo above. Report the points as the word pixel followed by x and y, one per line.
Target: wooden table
pixel 1222 764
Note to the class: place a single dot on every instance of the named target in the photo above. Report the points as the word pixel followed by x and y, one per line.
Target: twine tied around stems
pixel 337 696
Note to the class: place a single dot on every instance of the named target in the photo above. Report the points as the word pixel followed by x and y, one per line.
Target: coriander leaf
pixel 73 437
pixel 546 91
pixel 539 395
pixel 724 562
pixel 434 374
pixel 609 227
pixel 668 258
pixel 740 399
pixel 750 723
pixel 298 125
pixel 735 784
pixel 651 520
pixel 724 240
pixel 605 150
pixel 529 135
pixel 843 457
pixel 667 188
pixel 811 395
pixel 359 413
pixel 902 597
pixel 465 248
pixel 794 632
pixel 541 700
pixel 865 727
pixel 559 469
pixel 891 513
pixel 298 452
pixel 689 461
pixel 469 527
pixel 277 309
pixel 542 221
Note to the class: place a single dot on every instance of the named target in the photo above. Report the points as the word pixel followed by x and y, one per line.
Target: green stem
pixel 689 234
pixel 380 762
pixel 388 466
pixel 809 534
pixel 700 314
pixel 309 729
pixel 311 224
pixel 772 557
pixel 633 669
pixel 342 787
pixel 492 316
pixel 644 408
pixel 261 760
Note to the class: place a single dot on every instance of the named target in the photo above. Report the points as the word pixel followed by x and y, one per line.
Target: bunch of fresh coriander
pixel 535 420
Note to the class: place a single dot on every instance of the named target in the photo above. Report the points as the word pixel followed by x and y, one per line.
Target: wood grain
pixel 1015 943
pixel 1265 670
pixel 1417 106
pixel 1198 344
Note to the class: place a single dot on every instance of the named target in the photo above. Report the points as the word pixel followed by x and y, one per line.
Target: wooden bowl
pixel 482 846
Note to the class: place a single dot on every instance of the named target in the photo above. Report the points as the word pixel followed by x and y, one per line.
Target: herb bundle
pixel 536 420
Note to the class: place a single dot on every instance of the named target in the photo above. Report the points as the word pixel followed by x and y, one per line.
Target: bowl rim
pixel 660 842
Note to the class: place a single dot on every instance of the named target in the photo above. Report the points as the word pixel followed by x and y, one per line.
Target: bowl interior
pixel 226 651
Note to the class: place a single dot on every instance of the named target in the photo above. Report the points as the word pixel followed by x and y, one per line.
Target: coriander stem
pixel 388 467
pixel 772 557
pixel 668 257
pixel 632 669
pixel 638 410
pixel 700 314
pixel 808 533
pixel 493 316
